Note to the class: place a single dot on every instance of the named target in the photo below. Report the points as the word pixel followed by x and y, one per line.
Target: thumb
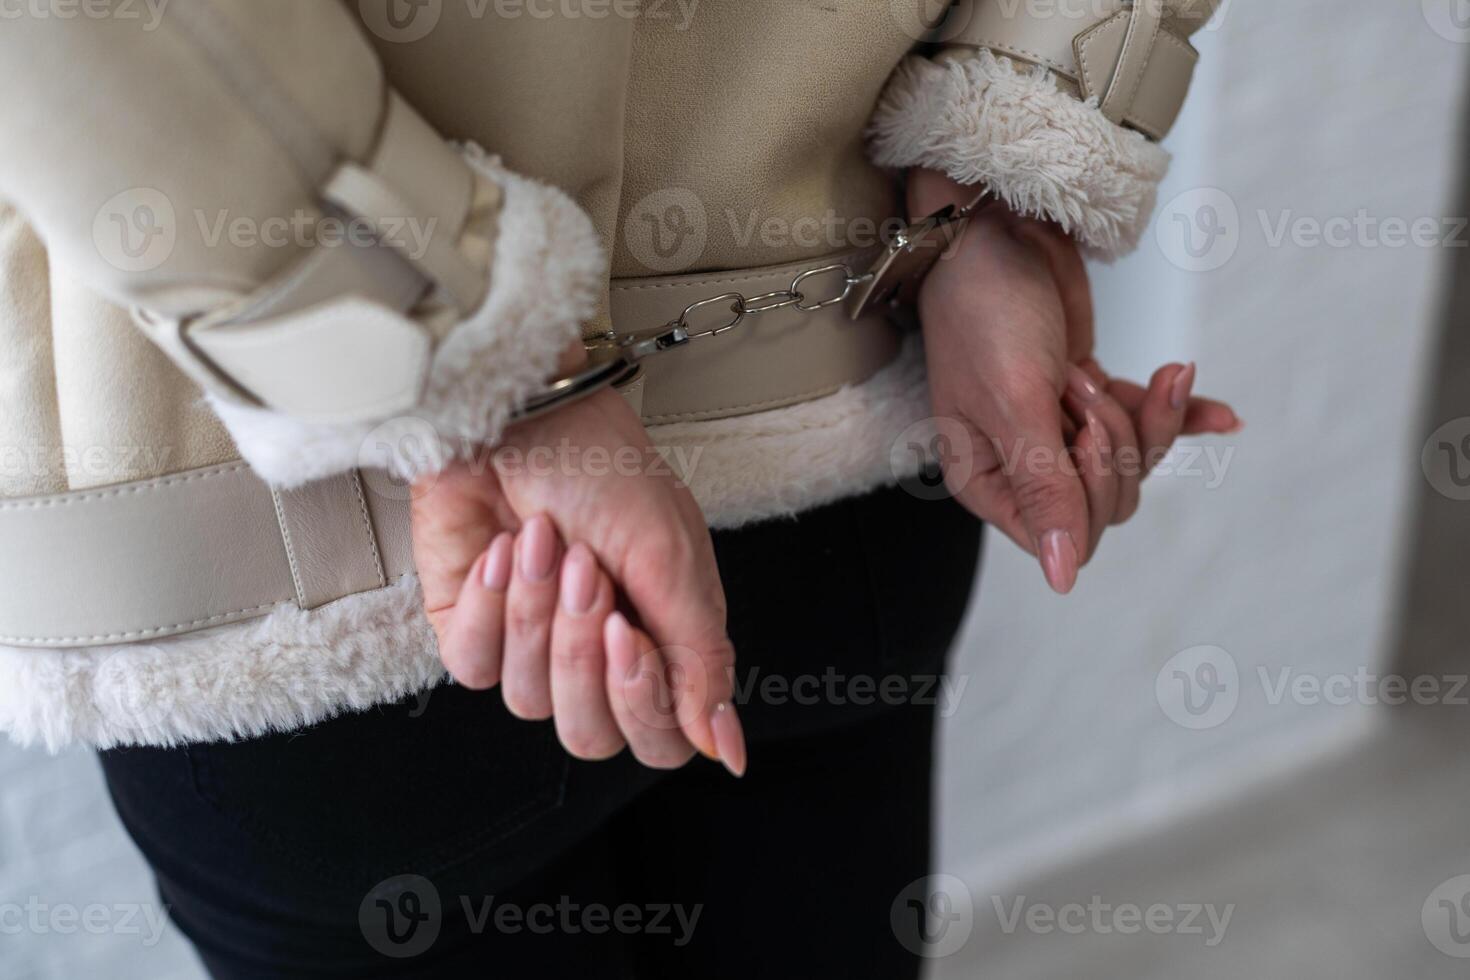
pixel 1047 486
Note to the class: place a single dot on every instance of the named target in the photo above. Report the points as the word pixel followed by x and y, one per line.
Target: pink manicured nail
pixel 618 635
pixel 578 580
pixel 1099 434
pixel 1059 561
pixel 538 549
pixel 498 562
pixel 1182 388
pixel 1083 386
pixel 729 737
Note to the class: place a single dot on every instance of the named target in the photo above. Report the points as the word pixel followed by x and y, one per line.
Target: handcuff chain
pixel 677 332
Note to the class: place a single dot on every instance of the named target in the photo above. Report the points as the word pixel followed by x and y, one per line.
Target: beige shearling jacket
pixel 171 299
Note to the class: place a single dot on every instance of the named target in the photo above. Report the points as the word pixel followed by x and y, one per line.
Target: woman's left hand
pixel 1059 449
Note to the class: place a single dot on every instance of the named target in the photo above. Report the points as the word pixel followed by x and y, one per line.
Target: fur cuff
pixel 548 273
pixel 280 673
pixel 981 120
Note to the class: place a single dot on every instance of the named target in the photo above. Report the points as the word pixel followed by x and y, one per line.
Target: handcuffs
pixel 891 283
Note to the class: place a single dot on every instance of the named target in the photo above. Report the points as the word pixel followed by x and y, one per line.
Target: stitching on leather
pixel 367 524
pixel 160 484
pixel 1085 48
pixel 713 414
pixel 1128 44
pixel 139 633
pixel 290 549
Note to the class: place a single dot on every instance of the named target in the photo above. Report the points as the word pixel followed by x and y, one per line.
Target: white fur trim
pixel 981 120
pixel 777 464
pixel 294 668
pixel 279 673
pixel 547 276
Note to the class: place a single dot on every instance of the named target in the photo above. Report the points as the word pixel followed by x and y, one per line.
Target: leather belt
pixel 157 558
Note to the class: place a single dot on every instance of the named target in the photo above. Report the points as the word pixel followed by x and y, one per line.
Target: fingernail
pixel 619 638
pixel 1059 561
pixel 729 737
pixel 498 561
pixel 538 549
pixel 1182 388
pixel 1083 386
pixel 578 581
pixel 1099 434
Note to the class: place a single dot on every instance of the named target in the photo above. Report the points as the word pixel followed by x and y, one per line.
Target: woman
pixel 694 191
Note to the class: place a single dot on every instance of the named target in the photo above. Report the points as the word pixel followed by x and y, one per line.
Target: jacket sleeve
pixel 1057 108
pixel 348 288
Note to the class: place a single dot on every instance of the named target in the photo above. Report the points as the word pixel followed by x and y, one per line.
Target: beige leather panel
pixel 30 422
pixel 183 553
pixel 330 541
pixel 141 561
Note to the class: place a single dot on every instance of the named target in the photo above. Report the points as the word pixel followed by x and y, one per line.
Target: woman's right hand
pixel 570 567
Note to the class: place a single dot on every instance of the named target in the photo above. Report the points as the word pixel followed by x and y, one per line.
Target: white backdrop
pixel 1305 111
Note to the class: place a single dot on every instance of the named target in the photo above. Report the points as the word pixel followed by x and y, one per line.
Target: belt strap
pixel 213 546
pixel 784 351
pixel 1133 59
pixel 182 553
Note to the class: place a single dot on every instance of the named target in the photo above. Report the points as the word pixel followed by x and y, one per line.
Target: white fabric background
pixel 1319 108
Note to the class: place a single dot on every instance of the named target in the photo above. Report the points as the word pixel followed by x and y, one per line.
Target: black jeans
pixel 440 837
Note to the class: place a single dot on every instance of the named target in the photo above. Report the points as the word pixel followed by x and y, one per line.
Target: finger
pixel 1204 416
pixel 1083 395
pixel 471 648
pixel 1048 490
pixel 1161 416
pixel 529 610
pixel 639 696
pixel 674 584
pixel 579 701
pixel 1099 477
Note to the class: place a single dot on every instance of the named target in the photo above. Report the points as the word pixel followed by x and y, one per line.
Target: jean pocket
pixel 413 787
